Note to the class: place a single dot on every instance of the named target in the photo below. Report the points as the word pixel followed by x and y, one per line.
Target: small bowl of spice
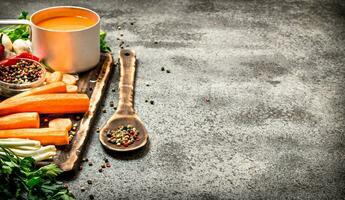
pixel 19 75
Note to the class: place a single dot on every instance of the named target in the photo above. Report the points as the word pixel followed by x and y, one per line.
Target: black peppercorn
pixel 21 72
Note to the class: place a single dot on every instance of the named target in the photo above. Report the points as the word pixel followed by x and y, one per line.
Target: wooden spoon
pixel 125 114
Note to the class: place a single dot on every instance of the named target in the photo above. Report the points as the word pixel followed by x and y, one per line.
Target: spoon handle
pixel 126 85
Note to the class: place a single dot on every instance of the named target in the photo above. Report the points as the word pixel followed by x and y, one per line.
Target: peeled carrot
pixel 61 123
pixel 47 103
pixel 44 135
pixel 57 87
pixel 54 77
pixel 71 88
pixel 20 120
pixel 69 79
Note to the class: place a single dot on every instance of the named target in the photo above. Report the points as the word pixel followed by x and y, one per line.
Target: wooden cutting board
pixel 93 83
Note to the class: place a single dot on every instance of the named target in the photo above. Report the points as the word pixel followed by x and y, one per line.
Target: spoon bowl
pixel 123 120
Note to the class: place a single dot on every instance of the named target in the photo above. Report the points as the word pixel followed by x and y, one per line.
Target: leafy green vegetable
pixel 22 32
pixel 24 15
pixel 21 180
pixel 18 31
pixel 104 45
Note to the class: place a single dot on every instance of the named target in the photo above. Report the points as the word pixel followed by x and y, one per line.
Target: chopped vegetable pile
pixel 20 179
pixel 124 135
pixel 22 133
pixel 23 71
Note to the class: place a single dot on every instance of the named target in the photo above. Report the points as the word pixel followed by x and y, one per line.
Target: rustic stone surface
pixel 253 106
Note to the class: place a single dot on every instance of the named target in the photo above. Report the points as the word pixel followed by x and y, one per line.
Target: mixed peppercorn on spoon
pixel 124 131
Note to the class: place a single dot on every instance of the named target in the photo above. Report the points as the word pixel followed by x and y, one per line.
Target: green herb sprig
pixel 103 43
pixel 21 180
pixel 15 32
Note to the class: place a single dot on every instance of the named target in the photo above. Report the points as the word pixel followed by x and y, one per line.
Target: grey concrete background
pixel 253 107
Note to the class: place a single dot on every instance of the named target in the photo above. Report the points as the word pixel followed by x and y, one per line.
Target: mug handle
pixel 14 22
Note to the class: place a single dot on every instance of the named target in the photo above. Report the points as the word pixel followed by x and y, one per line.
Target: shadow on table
pixel 130 155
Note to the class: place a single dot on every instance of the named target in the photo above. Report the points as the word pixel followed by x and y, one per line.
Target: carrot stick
pixel 57 87
pixel 47 104
pixel 61 123
pixel 20 120
pixel 44 135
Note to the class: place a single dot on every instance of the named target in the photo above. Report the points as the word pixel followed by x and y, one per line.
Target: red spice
pixel 13 60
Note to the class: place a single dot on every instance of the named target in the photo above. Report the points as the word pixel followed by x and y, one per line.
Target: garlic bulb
pixel 21 46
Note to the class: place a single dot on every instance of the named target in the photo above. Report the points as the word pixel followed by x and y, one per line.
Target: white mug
pixel 69 51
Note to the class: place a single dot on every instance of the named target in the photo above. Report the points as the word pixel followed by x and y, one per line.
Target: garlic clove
pixel 6 41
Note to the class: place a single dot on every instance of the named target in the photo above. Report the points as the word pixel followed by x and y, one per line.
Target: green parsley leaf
pixel 103 43
pixel 18 31
pixel 20 179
